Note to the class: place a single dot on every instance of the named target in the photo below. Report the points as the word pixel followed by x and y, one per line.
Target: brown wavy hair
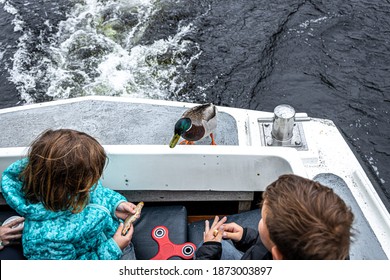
pixel 307 220
pixel 63 165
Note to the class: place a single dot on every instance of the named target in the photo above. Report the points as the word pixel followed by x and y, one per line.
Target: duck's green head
pixel 181 127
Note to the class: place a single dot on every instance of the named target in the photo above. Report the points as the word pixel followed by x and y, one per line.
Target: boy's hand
pixel 215 232
pixel 124 209
pixel 123 240
pixel 233 231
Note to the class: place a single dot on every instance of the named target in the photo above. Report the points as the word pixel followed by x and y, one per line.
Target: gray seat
pixel 172 217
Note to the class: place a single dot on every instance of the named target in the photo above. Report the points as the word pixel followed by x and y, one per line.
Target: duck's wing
pixel 210 125
pixel 201 113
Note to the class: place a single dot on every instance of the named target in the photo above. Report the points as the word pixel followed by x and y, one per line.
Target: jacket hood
pixel 12 192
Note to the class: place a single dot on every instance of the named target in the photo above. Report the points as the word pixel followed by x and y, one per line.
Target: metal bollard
pixel 283 122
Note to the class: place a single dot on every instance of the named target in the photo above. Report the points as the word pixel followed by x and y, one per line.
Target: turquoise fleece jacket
pixel 65 235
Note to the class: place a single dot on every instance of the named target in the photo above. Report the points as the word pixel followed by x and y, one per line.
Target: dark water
pixel 328 58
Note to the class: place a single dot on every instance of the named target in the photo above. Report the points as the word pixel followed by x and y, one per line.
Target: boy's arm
pixel 249 238
pixel 210 250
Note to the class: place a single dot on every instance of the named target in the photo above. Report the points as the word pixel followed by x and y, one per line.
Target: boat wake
pixel 100 48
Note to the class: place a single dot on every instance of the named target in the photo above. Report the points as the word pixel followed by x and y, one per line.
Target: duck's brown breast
pixel 195 133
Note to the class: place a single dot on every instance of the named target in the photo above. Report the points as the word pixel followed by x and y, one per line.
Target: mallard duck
pixel 195 124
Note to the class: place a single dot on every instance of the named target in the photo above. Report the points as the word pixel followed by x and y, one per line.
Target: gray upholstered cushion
pixel 173 217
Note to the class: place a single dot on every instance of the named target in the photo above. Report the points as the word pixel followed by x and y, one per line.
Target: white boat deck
pixel 136 134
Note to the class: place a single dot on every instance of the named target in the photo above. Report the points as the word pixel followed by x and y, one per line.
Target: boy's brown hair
pixel 63 165
pixel 307 220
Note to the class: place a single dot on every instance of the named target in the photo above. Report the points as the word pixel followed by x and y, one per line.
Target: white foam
pixel 119 68
pixel 308 22
pixel 1 52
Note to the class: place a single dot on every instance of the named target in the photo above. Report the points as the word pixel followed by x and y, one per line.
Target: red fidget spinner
pixel 167 249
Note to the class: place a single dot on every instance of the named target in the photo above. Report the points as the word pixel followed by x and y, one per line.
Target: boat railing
pixel 156 172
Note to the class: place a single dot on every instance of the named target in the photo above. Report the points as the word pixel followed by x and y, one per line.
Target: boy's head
pixel 302 219
pixel 62 167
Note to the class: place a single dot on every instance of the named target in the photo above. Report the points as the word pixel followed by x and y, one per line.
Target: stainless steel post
pixel 283 122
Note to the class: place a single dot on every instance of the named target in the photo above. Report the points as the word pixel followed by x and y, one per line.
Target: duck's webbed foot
pixel 186 142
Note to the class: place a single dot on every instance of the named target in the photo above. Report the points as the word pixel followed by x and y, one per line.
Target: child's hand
pixel 233 232
pixel 123 240
pixel 124 209
pixel 215 232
